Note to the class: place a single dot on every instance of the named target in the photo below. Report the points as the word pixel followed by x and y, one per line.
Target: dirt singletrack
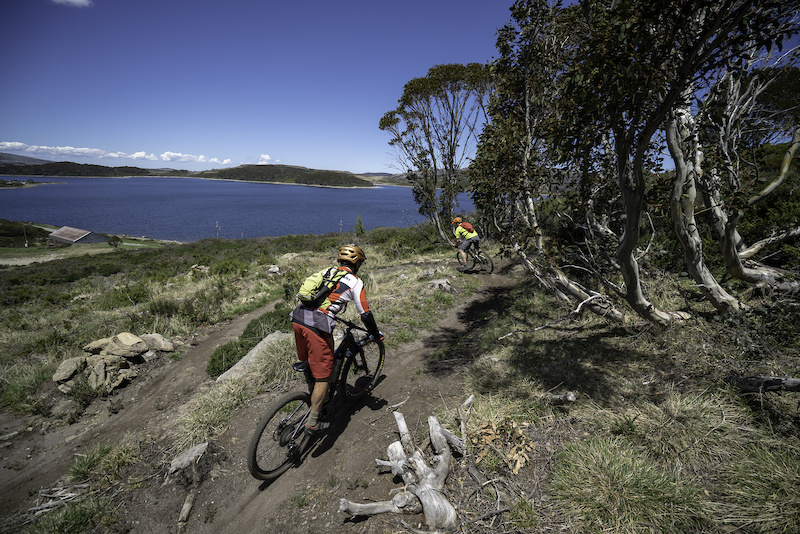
pixel 228 499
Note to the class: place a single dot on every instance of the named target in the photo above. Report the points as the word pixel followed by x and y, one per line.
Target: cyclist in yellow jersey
pixel 466 236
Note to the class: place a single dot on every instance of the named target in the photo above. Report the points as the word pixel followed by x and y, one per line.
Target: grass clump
pixel 761 489
pixel 103 462
pixel 86 515
pixel 607 486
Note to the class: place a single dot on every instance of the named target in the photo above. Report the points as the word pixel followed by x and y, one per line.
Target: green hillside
pixel 286 174
pixel 251 173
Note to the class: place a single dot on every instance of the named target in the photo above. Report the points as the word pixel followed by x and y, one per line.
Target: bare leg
pixel 318 395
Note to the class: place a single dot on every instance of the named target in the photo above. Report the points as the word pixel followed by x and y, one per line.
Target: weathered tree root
pixel 423 484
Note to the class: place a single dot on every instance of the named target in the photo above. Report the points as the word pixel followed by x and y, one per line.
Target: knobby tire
pixel 361 372
pixel 269 454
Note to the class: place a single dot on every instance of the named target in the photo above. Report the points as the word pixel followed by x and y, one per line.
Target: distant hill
pixel 250 173
pixel 14 159
pixel 68 168
pixel 286 174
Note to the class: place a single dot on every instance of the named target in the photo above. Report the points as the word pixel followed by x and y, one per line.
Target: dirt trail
pixel 229 500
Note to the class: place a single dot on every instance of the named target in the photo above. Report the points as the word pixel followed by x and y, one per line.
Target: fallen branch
pixel 423 484
pixel 762 384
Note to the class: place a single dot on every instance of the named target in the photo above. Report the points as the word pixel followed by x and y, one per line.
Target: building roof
pixel 68 233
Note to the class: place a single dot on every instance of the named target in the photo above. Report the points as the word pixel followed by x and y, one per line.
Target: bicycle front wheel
pixel 362 371
pixel 280 437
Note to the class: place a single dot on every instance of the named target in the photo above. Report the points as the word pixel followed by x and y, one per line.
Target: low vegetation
pixel 659 438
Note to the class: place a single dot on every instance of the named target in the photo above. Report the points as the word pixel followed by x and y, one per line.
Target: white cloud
pixel 264 159
pixel 74 3
pixel 97 153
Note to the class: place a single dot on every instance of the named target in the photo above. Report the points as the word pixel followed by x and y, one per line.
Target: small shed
pixel 67 234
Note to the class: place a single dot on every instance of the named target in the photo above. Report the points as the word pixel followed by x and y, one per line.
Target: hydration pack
pixel 467 226
pixel 318 286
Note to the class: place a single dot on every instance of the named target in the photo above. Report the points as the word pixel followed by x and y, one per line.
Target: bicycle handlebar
pixel 348 323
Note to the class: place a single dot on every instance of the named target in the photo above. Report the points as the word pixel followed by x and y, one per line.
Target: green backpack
pixel 318 286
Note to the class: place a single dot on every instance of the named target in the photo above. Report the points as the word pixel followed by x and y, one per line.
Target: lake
pixel 189 209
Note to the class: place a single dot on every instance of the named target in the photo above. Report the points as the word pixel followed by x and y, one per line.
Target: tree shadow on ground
pixel 584 358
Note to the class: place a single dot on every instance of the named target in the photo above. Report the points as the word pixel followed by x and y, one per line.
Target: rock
pixel 185 459
pixel 96 347
pixel 125 345
pixel 69 368
pixel 158 342
pixel 241 367
pixel 442 283
pixel 106 372
pixel 274 269
pixel 66 387
pixel 425 275
pixel 97 376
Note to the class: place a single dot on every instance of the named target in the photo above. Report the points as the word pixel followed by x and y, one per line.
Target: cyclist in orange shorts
pixel 313 328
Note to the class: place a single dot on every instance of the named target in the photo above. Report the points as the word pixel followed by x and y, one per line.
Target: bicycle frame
pixel 283 427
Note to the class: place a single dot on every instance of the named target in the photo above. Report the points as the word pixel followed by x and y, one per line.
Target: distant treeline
pixel 250 173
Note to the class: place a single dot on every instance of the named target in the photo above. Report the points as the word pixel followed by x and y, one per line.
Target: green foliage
pixel 227 355
pixel 287 174
pixel 86 515
pixel 18 235
pixel 606 485
pixel 359 228
pixel 433 140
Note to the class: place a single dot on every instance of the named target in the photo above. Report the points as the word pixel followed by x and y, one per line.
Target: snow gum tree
pixel 434 130
pixel 633 73
pixel 513 177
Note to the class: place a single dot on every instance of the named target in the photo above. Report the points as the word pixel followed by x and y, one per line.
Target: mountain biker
pixel 466 236
pixel 313 328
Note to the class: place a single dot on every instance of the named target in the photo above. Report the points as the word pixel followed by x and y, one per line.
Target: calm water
pixel 188 209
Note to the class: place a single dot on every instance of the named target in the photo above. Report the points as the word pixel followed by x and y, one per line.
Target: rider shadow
pixel 342 415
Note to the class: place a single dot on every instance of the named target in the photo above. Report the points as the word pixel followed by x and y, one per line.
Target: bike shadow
pixel 343 415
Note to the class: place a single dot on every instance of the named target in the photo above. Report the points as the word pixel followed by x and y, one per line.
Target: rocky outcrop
pixel 108 363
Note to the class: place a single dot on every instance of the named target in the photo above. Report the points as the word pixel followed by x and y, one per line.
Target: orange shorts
pixel 316 348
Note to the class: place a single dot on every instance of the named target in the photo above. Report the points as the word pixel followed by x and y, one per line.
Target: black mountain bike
pixel 481 261
pixel 280 439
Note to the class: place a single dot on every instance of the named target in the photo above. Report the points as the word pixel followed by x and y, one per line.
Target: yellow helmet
pixel 351 253
pixel 457 220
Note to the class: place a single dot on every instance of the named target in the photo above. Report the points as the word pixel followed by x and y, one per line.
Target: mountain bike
pixel 280 439
pixel 481 261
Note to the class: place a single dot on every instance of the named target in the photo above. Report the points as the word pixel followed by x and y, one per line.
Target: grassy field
pixel 658 438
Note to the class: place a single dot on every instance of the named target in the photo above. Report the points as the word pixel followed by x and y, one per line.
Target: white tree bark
pixel 423 484
pixel 684 147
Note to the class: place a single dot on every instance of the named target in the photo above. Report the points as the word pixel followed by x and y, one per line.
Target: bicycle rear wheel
pixel 484 262
pixel 280 437
pixel 362 371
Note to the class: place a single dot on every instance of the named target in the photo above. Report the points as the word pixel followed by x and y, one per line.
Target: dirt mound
pixel 228 499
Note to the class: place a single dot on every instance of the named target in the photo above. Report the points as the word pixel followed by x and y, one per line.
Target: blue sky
pixel 202 84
